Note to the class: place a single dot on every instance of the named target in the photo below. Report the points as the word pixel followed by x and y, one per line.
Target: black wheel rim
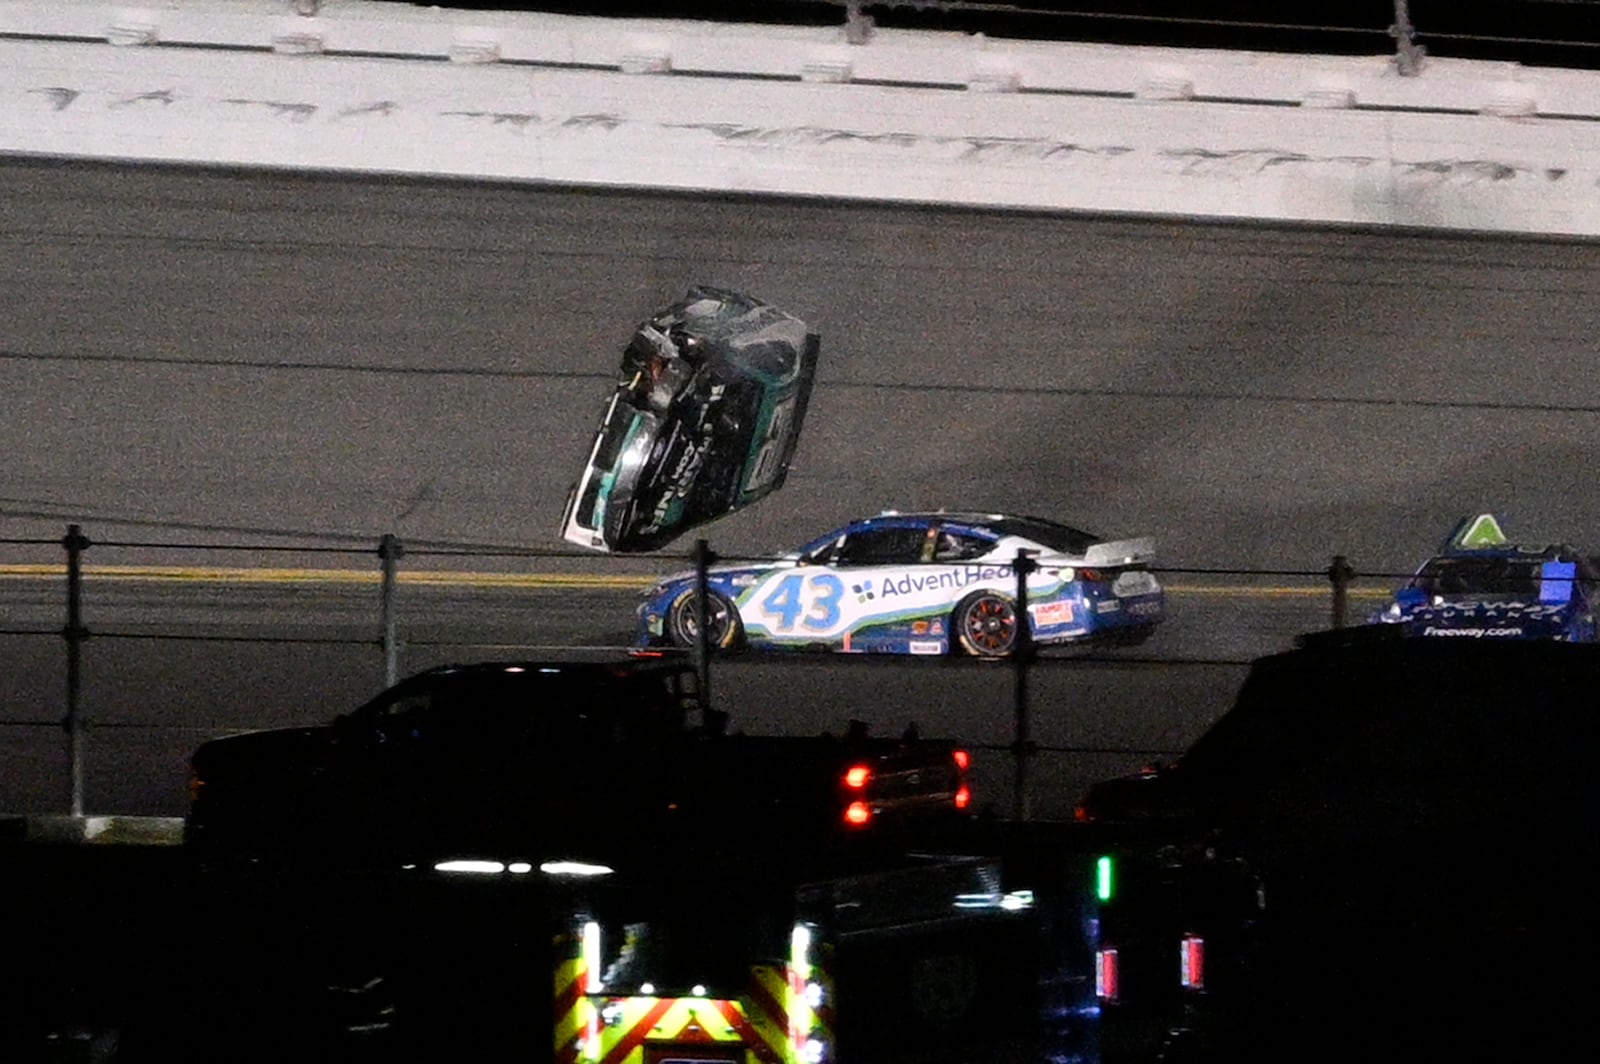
pixel 989 625
pixel 686 620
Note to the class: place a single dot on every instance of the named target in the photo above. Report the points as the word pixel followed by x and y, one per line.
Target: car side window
pixel 952 546
pixel 882 546
pixel 824 554
pixel 406 705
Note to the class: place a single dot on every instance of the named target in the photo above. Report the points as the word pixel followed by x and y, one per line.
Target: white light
pixel 647 989
pixel 697 991
pixel 574 868
pixel 800 949
pixel 515 668
pixel 520 868
pixel 482 868
pixel 813 995
pixel 814 1050
pixel 591 958
pixel 1017 899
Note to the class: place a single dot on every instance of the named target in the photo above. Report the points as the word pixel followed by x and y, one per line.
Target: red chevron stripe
pixel 636 1034
pixel 753 1042
pixel 567 998
pixel 763 1000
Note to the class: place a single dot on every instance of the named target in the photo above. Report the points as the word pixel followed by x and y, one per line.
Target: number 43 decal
pixel 812 602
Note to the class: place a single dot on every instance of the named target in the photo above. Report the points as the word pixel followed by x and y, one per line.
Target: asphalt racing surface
pixel 199 353
pixel 199 359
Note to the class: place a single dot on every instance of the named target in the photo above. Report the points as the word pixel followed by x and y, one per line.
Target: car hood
pixel 1156 795
pixel 727 572
pixel 278 750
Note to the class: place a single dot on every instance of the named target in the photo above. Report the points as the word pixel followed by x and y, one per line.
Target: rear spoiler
pixel 1121 552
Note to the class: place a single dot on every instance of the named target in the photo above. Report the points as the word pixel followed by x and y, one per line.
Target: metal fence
pixel 380 632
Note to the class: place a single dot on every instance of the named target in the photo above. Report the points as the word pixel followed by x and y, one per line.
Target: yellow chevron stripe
pixel 570 973
pixel 697 1016
pixel 773 1028
pixel 698 1012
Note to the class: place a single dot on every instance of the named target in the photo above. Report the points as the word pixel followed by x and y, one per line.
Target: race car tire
pixel 986 625
pixel 683 621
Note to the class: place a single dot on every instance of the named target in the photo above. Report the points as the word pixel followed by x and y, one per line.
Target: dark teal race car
pixel 1482 586
pixel 704 421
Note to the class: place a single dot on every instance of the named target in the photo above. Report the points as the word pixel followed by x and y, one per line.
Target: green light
pixel 1102 878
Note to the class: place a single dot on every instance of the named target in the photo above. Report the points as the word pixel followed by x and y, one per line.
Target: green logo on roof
pixel 1481 531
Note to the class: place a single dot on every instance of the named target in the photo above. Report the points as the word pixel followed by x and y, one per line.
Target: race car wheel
pixel 722 621
pixel 986 624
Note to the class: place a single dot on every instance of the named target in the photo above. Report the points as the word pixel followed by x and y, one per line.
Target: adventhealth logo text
pixel 946 579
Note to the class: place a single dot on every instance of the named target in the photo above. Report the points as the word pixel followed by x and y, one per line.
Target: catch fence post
pixel 75 543
pixel 1340 573
pixel 1022 746
pixel 1408 55
pixel 390 551
pixel 702 608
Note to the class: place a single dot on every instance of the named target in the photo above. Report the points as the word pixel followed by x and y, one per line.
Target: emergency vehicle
pixel 861 955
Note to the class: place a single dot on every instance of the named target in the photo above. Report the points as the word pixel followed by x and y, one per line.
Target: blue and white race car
pixel 1480 585
pixel 918 583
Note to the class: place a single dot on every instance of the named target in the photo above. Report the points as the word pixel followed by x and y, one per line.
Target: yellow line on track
pixel 253 575
pixel 455 578
pixel 1263 591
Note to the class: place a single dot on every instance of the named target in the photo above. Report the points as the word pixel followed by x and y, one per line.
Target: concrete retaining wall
pixel 906 116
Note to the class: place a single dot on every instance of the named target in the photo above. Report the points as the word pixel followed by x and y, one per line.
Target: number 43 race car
pixel 918 583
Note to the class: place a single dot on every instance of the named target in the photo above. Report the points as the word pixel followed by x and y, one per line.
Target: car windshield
pixel 620 420
pixel 1484 575
pixel 565 702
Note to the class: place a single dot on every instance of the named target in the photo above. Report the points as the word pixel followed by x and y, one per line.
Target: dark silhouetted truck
pixel 1382 851
pixel 583 860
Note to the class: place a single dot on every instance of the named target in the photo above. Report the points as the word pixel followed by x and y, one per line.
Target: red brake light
pixel 962 760
pixel 963 797
pixel 856 777
pixel 1191 962
pixel 1090 574
pixel 1106 983
pixel 857 813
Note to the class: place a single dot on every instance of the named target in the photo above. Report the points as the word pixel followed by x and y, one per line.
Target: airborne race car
pixel 923 583
pixel 1480 586
pixel 704 421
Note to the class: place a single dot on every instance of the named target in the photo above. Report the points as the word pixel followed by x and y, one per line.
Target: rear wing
pixel 1140 551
